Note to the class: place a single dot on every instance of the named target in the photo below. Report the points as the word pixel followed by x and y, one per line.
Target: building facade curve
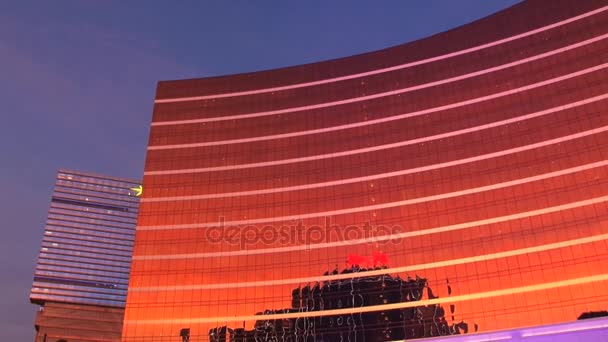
pixel 471 165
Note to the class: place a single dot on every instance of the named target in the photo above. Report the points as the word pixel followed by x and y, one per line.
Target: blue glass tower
pixel 88 240
pixel 82 272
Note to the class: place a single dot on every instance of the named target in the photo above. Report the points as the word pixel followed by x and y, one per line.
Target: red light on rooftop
pixel 377 259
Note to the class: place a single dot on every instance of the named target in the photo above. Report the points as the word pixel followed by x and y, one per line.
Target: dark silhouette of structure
pixel 395 324
pixel 593 314
pixel 185 334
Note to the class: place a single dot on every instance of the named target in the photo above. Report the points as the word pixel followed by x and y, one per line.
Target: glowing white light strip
pixel 383 307
pixel 381 205
pixel 356 99
pixel 466 338
pixel 437 264
pixel 463 338
pixel 383 70
pixel 382 175
pixel 422 232
pixel 543 331
pixel 349 152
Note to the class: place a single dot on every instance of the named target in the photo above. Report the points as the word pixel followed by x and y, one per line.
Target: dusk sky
pixel 78 80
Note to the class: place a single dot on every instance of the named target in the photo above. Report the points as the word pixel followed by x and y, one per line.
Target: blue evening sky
pixel 77 82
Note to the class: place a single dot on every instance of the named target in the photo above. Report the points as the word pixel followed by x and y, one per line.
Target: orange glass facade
pixel 475 158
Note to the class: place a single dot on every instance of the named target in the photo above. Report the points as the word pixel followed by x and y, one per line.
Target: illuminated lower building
pixel 82 271
pixel 475 159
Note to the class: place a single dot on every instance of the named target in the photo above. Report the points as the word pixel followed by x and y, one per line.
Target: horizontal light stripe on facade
pixel 393 68
pixel 363 98
pixel 382 175
pixel 398 203
pixel 367 149
pixel 383 307
pixel 426 266
pixel 320 105
pixel 421 232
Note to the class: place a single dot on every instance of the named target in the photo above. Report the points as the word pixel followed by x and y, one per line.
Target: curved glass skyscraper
pixel 455 183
